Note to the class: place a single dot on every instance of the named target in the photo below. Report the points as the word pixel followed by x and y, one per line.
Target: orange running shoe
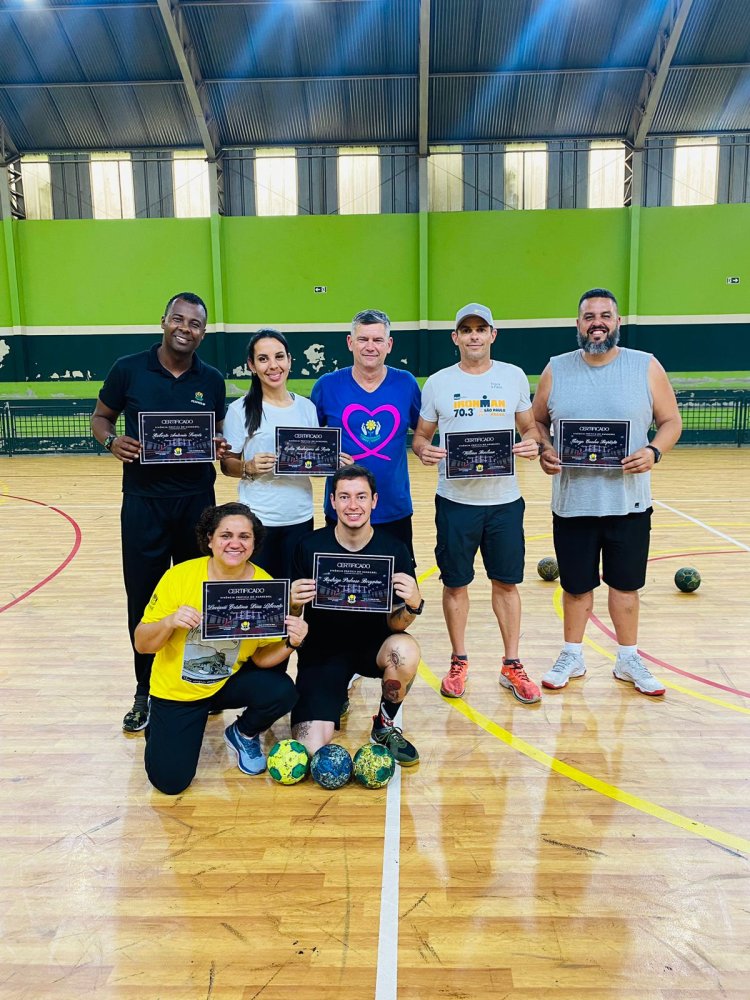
pixel 454 682
pixel 515 679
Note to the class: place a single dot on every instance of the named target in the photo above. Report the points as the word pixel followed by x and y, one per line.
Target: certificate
pixel 176 437
pixel 593 444
pixel 247 609
pixel 353 582
pixel 307 451
pixel 479 454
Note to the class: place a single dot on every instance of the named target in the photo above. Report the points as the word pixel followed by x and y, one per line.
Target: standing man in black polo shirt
pixel 161 504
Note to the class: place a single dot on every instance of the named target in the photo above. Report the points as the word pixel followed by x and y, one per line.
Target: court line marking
pixel 702 524
pixel 386 979
pixel 587 780
pixel 55 572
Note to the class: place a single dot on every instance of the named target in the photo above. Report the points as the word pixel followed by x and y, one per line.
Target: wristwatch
pixel 109 441
pixel 415 611
pixel 657 453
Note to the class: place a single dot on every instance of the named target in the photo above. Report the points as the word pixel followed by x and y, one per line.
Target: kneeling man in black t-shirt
pixel 343 643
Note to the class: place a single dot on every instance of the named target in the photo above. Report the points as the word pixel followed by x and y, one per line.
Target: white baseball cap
pixel 474 309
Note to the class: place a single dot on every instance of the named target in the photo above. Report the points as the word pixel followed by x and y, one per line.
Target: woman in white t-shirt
pixel 284 504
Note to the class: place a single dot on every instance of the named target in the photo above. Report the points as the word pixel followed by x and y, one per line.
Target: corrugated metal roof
pixel 717 31
pixel 534 106
pixel 328 111
pixel 329 39
pixel 704 100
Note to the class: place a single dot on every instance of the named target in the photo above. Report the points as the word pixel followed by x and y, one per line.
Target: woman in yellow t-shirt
pixel 192 677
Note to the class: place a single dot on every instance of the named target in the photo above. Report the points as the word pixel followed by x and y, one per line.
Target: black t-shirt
pixel 140 383
pixel 330 629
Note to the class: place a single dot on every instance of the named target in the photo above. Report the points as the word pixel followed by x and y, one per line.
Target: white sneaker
pixel 567 665
pixel 632 669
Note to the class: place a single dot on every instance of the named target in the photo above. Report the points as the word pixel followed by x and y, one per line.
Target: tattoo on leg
pixel 301 730
pixel 392 690
pixel 395 659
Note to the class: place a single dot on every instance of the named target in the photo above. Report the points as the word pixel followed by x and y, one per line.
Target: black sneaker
pixel 390 736
pixel 137 718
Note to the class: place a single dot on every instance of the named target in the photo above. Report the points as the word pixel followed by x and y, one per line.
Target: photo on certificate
pixel 594 444
pixel 353 582
pixel 176 437
pixel 307 451
pixel 479 454
pixel 246 609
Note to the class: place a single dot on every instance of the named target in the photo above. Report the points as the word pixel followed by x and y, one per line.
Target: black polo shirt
pixel 140 383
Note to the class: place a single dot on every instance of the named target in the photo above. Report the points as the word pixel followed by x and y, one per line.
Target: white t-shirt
pixel 462 402
pixel 277 500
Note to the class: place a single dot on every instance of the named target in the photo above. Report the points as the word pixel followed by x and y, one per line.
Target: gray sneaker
pixel 567 665
pixel 250 757
pixel 632 669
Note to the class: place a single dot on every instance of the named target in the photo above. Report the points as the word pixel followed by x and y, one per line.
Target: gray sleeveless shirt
pixel 616 391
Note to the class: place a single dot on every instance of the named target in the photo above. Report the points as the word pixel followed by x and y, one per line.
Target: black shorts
pixel 497 530
pixel 622 541
pixel 323 679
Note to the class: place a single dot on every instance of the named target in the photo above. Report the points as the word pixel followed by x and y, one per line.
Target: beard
pixel 602 347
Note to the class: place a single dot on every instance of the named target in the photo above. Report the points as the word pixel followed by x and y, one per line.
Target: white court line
pixel 386 982
pixel 702 524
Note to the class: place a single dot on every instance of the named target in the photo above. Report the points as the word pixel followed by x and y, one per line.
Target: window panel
pixel 37 187
pixel 696 171
pixel 112 192
pixel 191 190
pixel 445 182
pixel 275 182
pixel 359 181
pixel 526 175
pixel 606 175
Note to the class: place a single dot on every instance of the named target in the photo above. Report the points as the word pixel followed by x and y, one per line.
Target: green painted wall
pixel 526 265
pixel 91 273
pixel 5 314
pixel 271 267
pixel 686 256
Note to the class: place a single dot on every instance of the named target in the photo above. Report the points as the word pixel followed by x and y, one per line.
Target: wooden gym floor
pixel 596 845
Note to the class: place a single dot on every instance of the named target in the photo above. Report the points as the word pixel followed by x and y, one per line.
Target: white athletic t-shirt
pixel 462 402
pixel 277 500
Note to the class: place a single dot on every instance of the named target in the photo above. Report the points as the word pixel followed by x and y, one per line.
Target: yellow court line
pixel 587 780
pixel 557 601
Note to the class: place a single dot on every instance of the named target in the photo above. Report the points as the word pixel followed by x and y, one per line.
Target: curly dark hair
pixel 212 517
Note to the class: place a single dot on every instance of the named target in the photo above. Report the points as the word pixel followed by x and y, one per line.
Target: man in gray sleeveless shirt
pixel 604 511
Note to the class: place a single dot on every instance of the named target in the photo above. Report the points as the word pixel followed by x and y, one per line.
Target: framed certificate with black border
pixel 246 609
pixel 352 582
pixel 593 444
pixel 479 454
pixel 307 451
pixel 176 437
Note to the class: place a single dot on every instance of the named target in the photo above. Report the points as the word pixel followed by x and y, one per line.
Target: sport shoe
pixel 390 736
pixel 515 679
pixel 250 757
pixel 567 665
pixel 137 718
pixel 454 683
pixel 632 669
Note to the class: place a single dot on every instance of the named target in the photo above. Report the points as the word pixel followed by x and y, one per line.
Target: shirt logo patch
pixel 198 399
pixel 370 435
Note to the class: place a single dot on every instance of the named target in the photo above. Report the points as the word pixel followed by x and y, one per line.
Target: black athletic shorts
pixel 497 530
pixel 621 541
pixel 323 679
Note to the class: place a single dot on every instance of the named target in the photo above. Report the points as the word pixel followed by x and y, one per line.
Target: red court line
pixel 63 564
pixel 669 666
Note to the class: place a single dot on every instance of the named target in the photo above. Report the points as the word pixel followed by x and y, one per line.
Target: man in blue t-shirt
pixel 374 406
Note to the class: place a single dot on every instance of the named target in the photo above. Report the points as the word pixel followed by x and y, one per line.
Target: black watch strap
pixel 415 611
pixel 657 453
pixel 109 441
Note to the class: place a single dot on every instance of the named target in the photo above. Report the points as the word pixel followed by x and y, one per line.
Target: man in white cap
pixel 481 512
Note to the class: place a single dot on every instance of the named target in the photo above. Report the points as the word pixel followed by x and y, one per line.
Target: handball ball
pixel 331 766
pixel 547 568
pixel 374 765
pixel 288 762
pixel 687 579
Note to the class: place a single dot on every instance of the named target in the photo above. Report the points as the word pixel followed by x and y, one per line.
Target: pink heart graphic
pixel 374 452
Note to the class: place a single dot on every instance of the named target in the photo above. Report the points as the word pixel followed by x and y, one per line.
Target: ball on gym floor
pixel 687 579
pixel 374 766
pixel 547 568
pixel 331 766
pixel 288 762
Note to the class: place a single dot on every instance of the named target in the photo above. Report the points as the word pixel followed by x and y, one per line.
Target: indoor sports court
pixel 294 162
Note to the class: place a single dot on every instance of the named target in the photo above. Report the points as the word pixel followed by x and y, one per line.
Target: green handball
pixel 374 765
pixel 547 568
pixel 288 762
pixel 687 579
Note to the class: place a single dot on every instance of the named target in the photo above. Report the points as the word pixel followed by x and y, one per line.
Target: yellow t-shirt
pixel 189 668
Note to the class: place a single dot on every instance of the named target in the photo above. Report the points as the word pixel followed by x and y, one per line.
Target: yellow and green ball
pixel 288 762
pixel 374 765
